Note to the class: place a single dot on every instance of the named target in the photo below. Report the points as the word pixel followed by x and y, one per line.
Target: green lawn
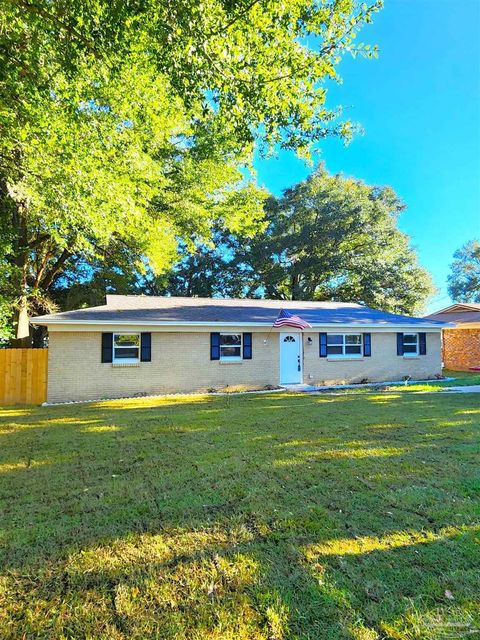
pixel 249 517
pixel 454 379
pixel 460 378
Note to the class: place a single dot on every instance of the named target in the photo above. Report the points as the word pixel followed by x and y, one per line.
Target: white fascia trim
pixel 267 327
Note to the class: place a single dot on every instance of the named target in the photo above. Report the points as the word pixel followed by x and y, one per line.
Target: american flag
pixel 285 319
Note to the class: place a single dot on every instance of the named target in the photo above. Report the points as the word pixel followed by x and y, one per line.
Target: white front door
pixel 290 358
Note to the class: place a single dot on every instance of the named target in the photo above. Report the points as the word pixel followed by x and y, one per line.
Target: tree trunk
pixel 294 286
pixel 23 331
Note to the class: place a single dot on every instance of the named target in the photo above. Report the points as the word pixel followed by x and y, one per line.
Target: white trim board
pixel 95 325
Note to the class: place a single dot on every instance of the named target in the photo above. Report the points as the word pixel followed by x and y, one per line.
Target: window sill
pixel 124 365
pixel 230 362
pixel 344 358
pixel 411 357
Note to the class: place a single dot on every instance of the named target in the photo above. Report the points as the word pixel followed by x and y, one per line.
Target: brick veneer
pixel 461 348
pixel 181 362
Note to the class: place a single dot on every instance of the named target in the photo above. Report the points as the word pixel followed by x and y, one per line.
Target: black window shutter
pixel 107 347
pixel 214 346
pixel 146 347
pixel 399 344
pixel 367 345
pixel 323 345
pixel 247 346
pixel 422 339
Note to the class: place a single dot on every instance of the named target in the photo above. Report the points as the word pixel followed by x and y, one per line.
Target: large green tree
pixel 327 238
pixel 127 167
pixel 131 122
pixel 464 278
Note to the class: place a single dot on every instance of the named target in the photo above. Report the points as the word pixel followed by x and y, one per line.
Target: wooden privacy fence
pixel 23 376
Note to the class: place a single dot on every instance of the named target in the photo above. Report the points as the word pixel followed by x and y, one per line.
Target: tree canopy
pixel 128 127
pixel 260 65
pixel 126 168
pixel 464 278
pixel 327 238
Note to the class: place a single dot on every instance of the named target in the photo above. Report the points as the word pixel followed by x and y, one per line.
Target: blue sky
pixel 419 106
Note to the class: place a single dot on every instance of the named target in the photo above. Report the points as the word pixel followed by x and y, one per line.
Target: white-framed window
pixel 344 345
pixel 411 344
pixel 126 347
pixel 230 346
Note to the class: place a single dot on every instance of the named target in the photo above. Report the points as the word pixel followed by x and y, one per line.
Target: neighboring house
pixel 461 343
pixel 137 345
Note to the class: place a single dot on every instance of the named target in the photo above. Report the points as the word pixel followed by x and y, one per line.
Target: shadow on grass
pixel 321 519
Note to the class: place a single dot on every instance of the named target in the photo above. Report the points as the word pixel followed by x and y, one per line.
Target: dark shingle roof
pixel 150 309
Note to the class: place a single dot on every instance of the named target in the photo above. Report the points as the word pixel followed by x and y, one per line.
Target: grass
pixel 250 517
pixel 460 378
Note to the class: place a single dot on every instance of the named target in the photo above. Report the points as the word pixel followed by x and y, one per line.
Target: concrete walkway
pixel 308 388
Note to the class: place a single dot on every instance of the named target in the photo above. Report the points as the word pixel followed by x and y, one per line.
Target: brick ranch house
pixel 136 345
pixel 461 343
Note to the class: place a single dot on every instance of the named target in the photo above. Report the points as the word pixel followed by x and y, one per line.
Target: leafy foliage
pixel 327 238
pixel 133 123
pixel 260 64
pixel 464 279
pixel 5 326
pixel 125 166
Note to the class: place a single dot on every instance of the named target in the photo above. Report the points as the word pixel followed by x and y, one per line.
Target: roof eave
pixel 451 307
pixel 186 323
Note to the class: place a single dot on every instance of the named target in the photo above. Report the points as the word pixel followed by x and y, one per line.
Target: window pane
pixel 230 352
pixel 127 340
pixel 356 349
pixel 353 339
pixel 333 338
pixel 230 339
pixel 124 353
pixel 331 351
pixel 409 348
pixel 410 338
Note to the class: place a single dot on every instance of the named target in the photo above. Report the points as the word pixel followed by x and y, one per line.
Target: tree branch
pixel 40 11
pixel 40 239
pixel 212 34
pixel 56 268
